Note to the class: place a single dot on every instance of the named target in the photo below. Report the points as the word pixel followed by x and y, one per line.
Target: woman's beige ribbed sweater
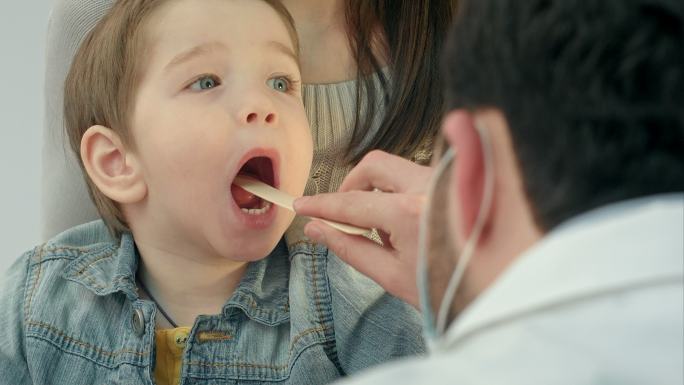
pixel 331 110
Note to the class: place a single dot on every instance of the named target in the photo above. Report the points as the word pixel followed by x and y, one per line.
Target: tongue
pixel 245 199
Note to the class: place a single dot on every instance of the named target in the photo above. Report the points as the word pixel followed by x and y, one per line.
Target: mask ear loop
pixel 474 237
pixel 423 241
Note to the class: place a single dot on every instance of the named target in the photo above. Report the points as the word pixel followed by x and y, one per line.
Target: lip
pixel 257 222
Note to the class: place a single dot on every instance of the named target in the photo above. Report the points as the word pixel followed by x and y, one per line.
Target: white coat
pixel 600 300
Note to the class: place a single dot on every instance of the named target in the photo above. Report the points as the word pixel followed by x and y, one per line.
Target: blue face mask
pixel 433 239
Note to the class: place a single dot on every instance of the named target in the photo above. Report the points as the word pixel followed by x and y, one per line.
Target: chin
pixel 253 245
pixel 256 252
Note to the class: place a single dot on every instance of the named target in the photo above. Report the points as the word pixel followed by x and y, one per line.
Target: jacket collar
pixel 110 267
pixel 622 246
pixel 263 292
pixel 107 268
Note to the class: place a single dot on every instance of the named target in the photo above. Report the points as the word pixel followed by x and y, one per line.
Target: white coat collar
pixel 619 247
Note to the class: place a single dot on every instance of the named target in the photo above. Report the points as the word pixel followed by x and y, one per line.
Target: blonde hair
pixel 101 84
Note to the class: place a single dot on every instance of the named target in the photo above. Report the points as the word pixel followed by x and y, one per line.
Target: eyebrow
pixel 282 48
pixel 197 50
pixel 205 48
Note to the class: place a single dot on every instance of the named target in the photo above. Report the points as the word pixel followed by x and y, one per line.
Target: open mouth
pixel 262 169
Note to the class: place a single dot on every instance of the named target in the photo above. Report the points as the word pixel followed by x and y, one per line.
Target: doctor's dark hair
pixel 103 79
pixel 592 90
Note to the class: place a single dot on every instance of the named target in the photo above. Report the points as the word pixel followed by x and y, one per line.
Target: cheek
pixel 305 151
pixel 299 151
pixel 169 154
pixel 296 172
pixel 180 153
pixel 305 156
pixel 305 139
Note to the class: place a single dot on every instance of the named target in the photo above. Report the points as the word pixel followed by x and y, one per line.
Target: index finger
pixel 361 208
pixel 388 173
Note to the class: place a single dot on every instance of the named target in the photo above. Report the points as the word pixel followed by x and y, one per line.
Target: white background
pixel 23 26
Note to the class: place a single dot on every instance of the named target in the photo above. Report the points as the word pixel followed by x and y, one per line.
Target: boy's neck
pixel 187 287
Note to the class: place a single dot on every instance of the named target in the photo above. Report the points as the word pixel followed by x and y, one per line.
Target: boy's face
pixel 219 96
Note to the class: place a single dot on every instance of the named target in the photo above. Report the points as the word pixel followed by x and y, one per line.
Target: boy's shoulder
pixel 86 254
pixel 69 248
pixel 82 238
pixel 345 283
pixel 70 245
pixel 355 308
pixel 345 288
pixel 72 295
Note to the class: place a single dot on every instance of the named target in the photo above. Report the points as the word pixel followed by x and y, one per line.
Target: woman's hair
pixel 103 79
pixel 412 34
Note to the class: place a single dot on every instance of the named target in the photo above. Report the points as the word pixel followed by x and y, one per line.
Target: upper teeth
pixel 262 210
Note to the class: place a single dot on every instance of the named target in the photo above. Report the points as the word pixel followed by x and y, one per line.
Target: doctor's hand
pixel 385 192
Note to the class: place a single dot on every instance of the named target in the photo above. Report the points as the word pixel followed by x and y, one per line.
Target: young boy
pixel 167 101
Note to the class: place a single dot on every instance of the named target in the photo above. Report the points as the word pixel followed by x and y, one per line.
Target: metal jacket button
pixel 138 322
pixel 181 338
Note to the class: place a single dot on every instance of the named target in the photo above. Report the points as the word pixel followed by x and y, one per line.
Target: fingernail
pixel 314 233
pixel 299 202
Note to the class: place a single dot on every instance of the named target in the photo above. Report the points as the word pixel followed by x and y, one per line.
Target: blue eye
pixel 205 83
pixel 280 83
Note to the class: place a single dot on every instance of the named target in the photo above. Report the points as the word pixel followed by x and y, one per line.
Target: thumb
pixel 368 258
pixel 361 253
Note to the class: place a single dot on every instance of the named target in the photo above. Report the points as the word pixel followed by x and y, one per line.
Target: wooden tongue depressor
pixel 284 200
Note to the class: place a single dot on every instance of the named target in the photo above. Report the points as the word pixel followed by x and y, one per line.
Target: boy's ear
pixel 115 172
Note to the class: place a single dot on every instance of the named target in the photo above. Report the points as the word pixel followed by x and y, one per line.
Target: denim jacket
pixel 71 314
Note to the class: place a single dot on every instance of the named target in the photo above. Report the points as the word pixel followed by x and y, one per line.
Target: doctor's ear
pixel 468 173
pixel 115 172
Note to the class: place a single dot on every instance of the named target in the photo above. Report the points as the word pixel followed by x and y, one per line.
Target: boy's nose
pixel 257 117
pixel 255 107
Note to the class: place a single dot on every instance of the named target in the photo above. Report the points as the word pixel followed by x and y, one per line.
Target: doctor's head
pixel 581 104
pixel 167 101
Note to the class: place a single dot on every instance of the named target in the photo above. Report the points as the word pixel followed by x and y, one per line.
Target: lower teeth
pixel 260 211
